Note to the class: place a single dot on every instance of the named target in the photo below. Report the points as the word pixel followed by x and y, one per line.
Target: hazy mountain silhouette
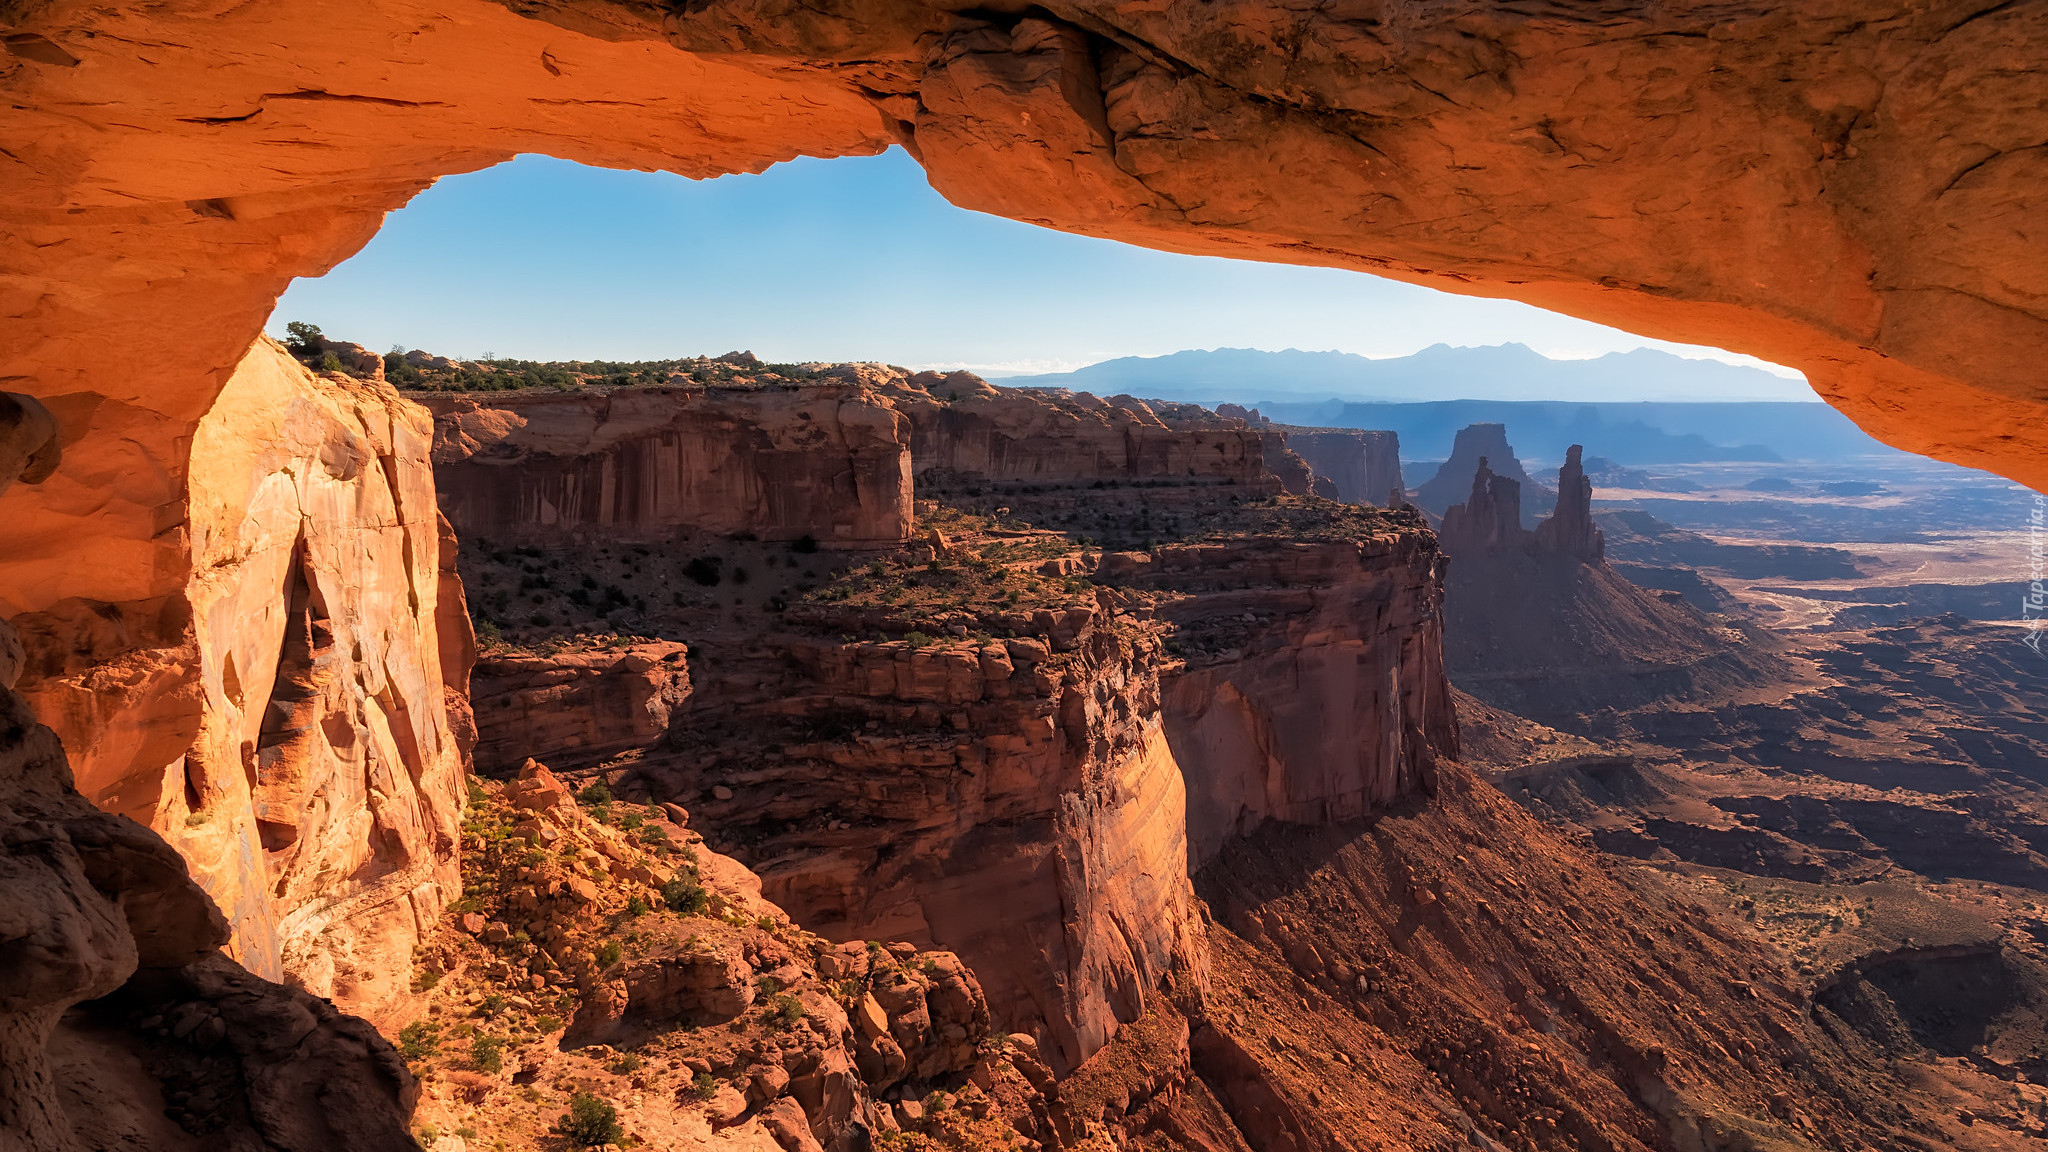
pixel 1439 372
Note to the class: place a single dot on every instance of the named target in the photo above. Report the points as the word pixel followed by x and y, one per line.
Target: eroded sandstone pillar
pixel 280 716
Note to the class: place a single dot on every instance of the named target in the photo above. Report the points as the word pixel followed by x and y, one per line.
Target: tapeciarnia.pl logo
pixel 2034 606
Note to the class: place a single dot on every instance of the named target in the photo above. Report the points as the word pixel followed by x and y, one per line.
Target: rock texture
pixel 829 462
pixel 116 1004
pixel 1364 466
pixel 1312 690
pixel 29 449
pixel 629 959
pixel 1490 518
pixel 575 707
pixel 973 431
pixel 1015 802
pixel 281 717
pixel 913 752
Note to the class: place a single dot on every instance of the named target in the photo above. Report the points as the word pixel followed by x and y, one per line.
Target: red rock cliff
pixel 282 717
pixel 828 461
pixel 1313 686
pixel 1007 434
pixel 576 707
pixel 1365 466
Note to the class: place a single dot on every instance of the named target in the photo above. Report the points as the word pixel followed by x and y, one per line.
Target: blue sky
pixel 851 259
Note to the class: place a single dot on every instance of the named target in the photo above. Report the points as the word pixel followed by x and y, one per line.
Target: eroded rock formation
pixel 1539 624
pixel 1364 466
pixel 830 462
pixel 1569 528
pixel 1006 774
pixel 576 707
pixel 282 716
pixel 967 432
pixel 1491 516
pixel 1312 689
pixel 1476 446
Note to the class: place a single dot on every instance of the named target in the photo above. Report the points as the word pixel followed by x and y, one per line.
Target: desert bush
pixel 419 1040
pixel 486 1053
pixel 590 1122
pixel 685 896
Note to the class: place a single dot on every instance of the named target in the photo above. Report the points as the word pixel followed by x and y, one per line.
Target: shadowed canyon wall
pixel 1365 466
pixel 284 717
pixel 1313 690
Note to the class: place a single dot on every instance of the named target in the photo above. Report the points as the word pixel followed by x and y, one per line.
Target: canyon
pixel 1115 792
pixel 241 710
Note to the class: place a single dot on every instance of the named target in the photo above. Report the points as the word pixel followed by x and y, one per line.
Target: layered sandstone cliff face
pixel 1313 690
pixel 120 1024
pixel 829 462
pixel 576 707
pixel 1364 466
pixel 1014 801
pixel 283 717
pixel 963 432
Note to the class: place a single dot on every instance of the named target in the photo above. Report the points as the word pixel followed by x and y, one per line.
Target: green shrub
pixel 626 1065
pixel 788 1009
pixel 608 953
pixel 486 1053
pixel 548 1024
pixel 705 1085
pixel 637 905
pixel 304 339
pixel 419 1040
pixel 590 1122
pixel 594 793
pixel 685 896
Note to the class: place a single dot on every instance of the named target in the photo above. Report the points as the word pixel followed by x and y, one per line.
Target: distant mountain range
pixel 1439 372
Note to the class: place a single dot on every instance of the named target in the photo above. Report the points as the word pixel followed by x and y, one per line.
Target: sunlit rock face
pixel 831 462
pixel 282 717
pixel 575 707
